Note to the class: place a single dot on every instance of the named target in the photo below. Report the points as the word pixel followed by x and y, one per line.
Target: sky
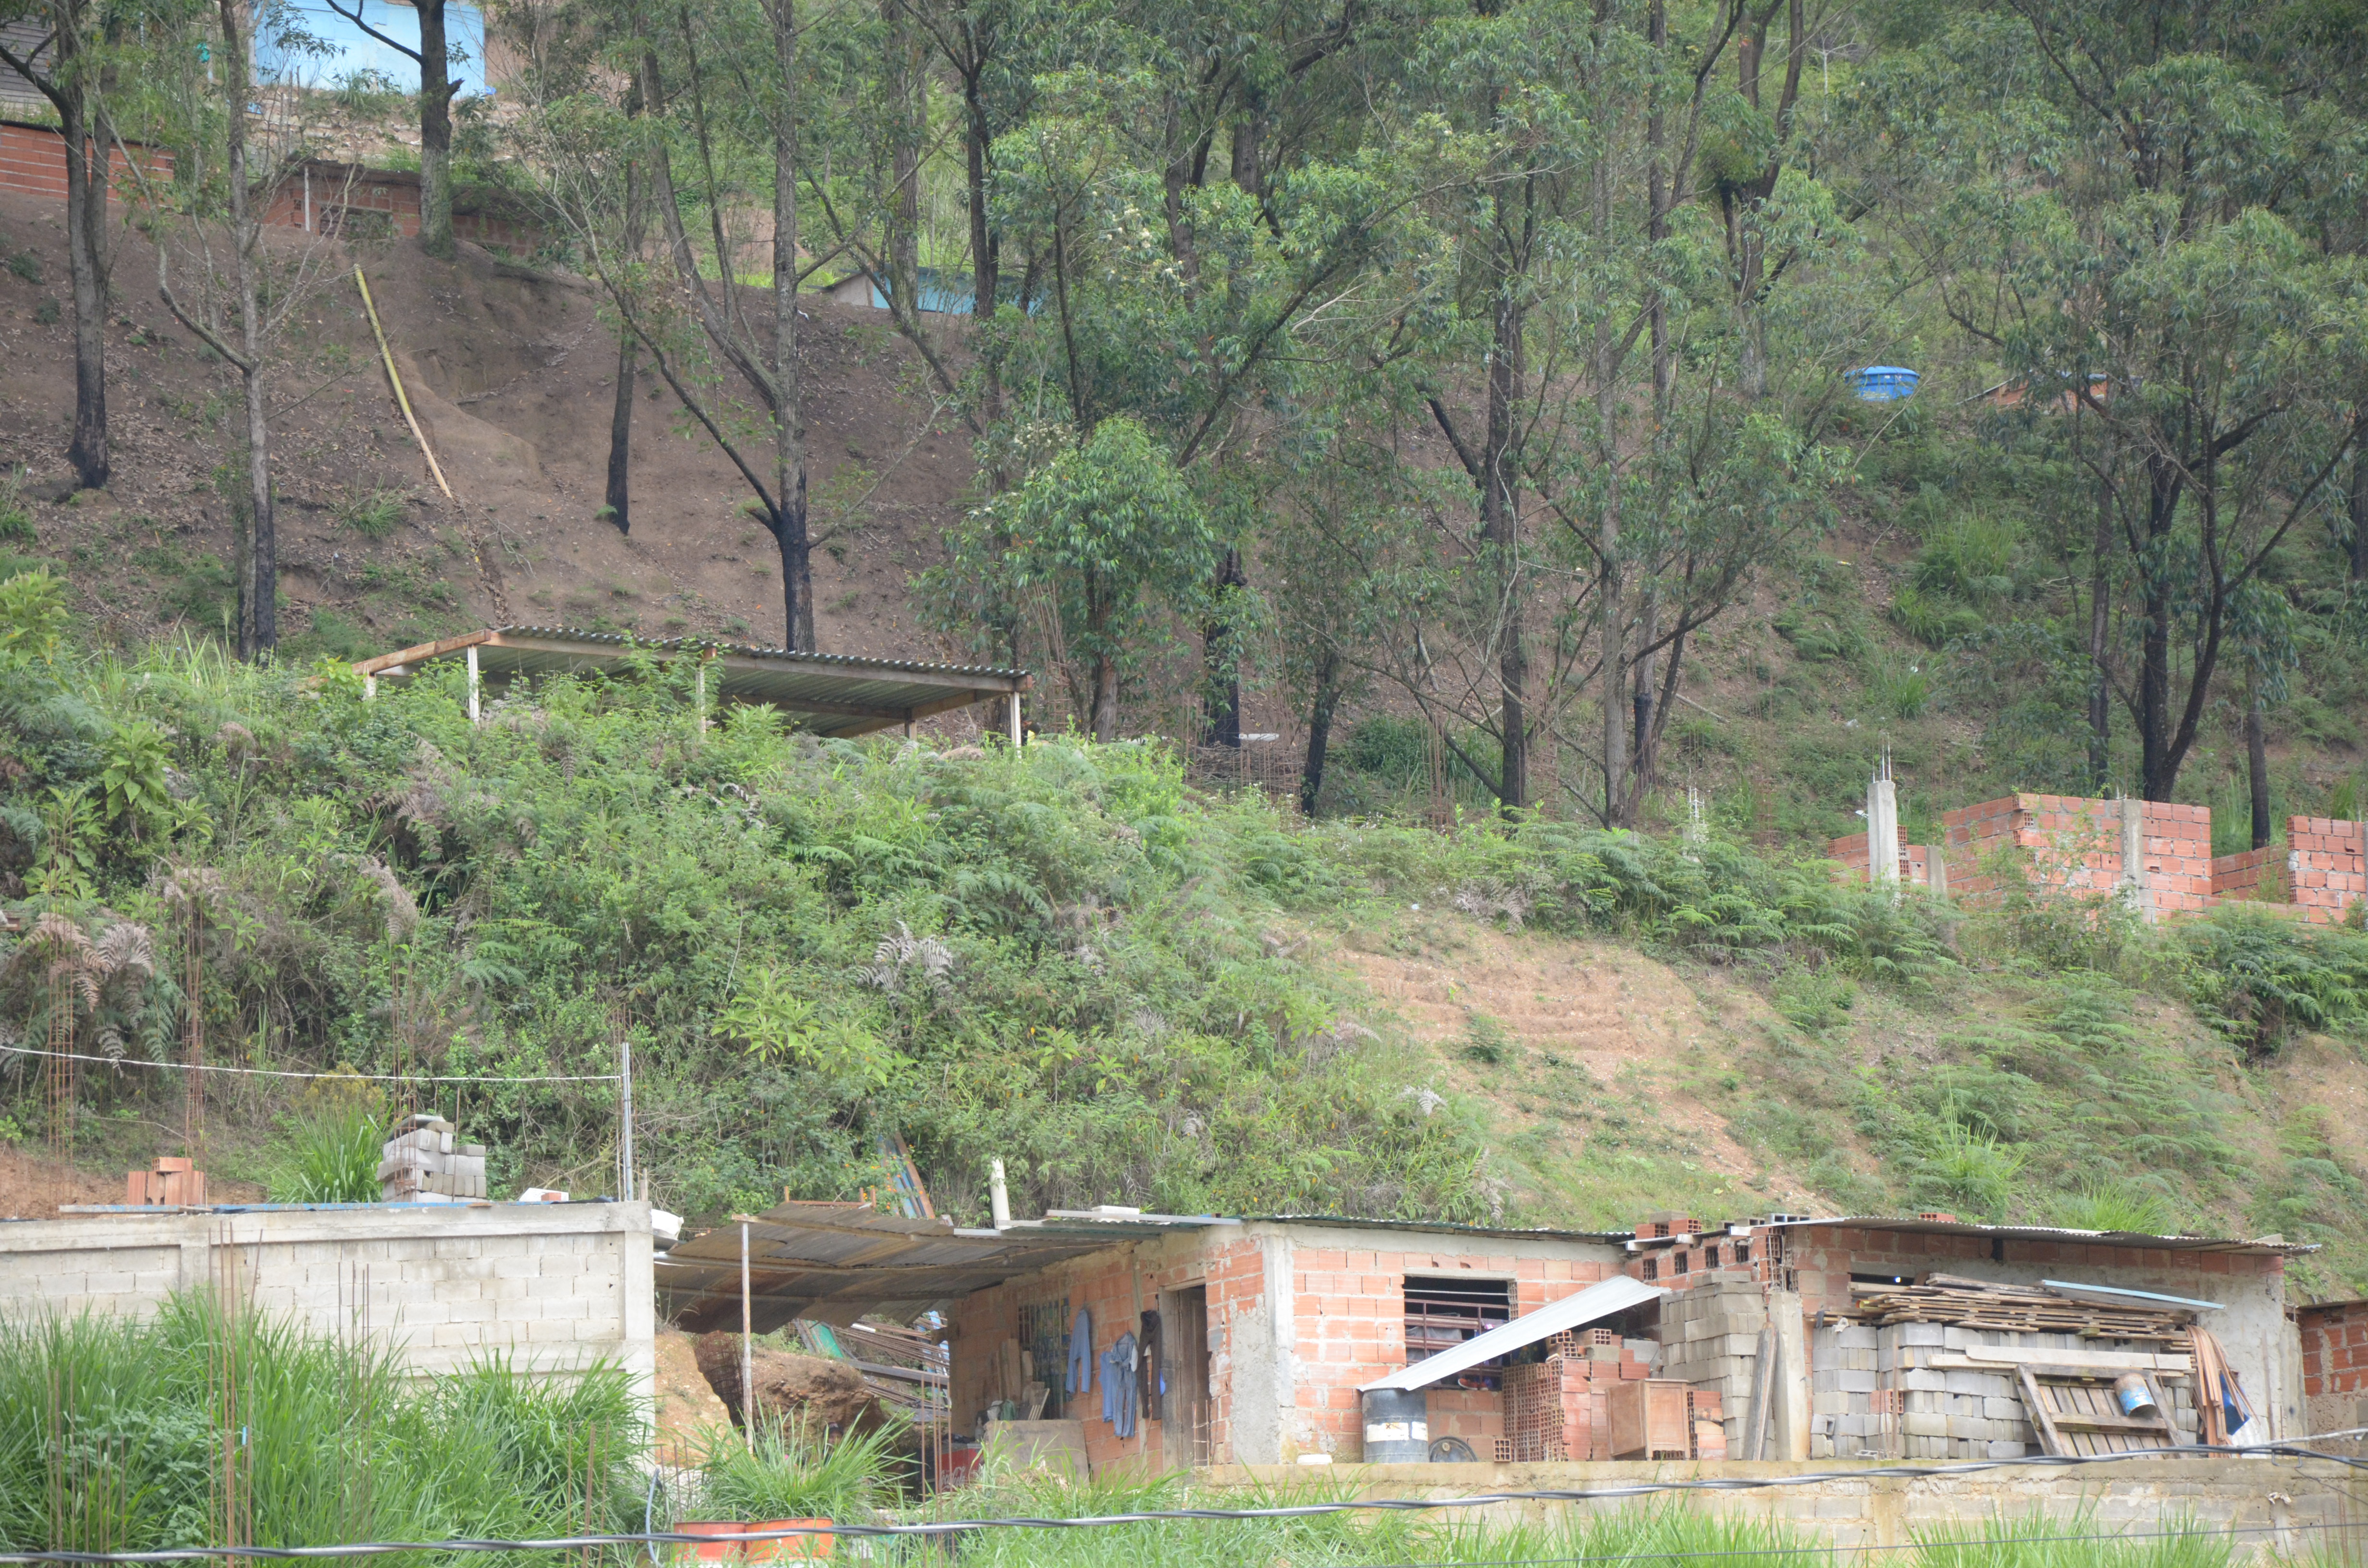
pixel 352 49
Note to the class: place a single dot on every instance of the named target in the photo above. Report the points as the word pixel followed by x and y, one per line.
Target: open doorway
pixel 1184 1377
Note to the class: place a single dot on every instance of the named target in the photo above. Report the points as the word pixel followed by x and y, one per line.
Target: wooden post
pixel 747 1355
pixel 370 689
pixel 473 684
pixel 702 693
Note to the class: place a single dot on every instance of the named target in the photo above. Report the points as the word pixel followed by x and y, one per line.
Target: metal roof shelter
pixel 2263 1246
pixel 834 1262
pixel 832 694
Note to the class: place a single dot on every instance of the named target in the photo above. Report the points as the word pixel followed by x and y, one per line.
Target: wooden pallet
pixel 2078 1415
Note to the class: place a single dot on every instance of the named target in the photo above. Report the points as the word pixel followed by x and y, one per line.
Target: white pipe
pixel 998 1195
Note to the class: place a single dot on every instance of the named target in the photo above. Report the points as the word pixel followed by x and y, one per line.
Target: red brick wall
pixel 1113 1286
pixel 33 161
pixel 2334 1347
pixel 2257 876
pixel 1915 870
pixel 2326 866
pixel 1348 1321
pixel 2074 845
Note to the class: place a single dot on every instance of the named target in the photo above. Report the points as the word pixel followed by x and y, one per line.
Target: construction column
pixel 1883 827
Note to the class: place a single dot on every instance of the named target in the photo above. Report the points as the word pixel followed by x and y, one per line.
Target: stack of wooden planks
pixel 2012 1309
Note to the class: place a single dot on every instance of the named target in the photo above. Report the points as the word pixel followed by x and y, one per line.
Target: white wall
pixel 554 1285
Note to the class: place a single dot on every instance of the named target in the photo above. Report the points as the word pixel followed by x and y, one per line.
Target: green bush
pixel 2260 978
pixel 782 1472
pixel 329 1151
pixel 141 1413
pixel 374 516
pixel 1970 560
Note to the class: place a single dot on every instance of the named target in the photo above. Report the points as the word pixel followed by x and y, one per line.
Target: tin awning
pixel 1593 1305
pixel 835 1262
pixel 833 694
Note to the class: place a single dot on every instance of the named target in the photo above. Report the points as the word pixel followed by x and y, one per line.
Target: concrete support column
pixel 1882 831
pixel 475 686
pixel 2133 883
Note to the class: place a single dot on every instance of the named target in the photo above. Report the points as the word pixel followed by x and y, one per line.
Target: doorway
pixel 1184 1377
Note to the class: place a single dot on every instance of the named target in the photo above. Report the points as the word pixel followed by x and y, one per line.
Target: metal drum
pixel 1398 1427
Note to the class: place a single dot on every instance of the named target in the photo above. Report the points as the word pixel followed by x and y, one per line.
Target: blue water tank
pixel 1882 384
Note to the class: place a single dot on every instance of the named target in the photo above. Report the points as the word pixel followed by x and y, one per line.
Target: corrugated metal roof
pixel 1442 1228
pixel 835 694
pixel 833 1262
pixel 2263 1247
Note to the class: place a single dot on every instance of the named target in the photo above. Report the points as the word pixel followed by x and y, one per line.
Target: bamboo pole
pixel 387 356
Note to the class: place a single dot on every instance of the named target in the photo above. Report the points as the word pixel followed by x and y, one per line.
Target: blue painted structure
pixel 1884 384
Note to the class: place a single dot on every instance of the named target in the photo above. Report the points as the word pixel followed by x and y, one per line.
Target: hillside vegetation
pixel 1129 991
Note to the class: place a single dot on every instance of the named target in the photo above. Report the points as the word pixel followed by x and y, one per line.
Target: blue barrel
pixel 1398 1427
pixel 1882 384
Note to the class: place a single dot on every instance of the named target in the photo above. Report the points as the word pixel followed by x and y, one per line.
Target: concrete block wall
pixel 555 1287
pixel 2287 1507
pixel 1710 1338
pixel 2250 1321
pixel 1950 1413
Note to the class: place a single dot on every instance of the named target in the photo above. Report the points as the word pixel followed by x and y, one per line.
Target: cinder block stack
pixel 1863 1374
pixel 1554 1408
pixel 1710 1340
pixel 423 1162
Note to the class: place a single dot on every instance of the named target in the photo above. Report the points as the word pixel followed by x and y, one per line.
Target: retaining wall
pixel 554 1285
pixel 2289 1506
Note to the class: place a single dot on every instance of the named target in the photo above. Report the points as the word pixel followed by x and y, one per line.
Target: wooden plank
pixel 421 652
pixel 2042 1415
pixel 2115 1361
pixel 2094 1421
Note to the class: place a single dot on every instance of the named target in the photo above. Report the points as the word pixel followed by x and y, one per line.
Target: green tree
pixel 1097 544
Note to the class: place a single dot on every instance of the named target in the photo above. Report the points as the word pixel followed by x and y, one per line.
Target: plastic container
pixel 1882 384
pixel 790 1546
pixel 1398 1427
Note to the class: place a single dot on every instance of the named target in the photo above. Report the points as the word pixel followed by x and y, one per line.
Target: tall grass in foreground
pixel 118 1436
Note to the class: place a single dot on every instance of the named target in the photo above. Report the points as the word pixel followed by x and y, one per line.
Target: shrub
pixel 375 515
pixel 1971 559
pixel 328 1147
pixel 784 1472
pixel 16 517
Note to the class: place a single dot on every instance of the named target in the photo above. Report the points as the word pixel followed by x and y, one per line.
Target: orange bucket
pixel 788 1547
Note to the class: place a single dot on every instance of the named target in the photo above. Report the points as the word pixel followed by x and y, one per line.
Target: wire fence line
pixel 1284 1511
pixel 277 1073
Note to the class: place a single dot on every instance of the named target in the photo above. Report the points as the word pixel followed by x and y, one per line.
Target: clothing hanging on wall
pixel 1119 1385
pixel 1079 1368
pixel 1154 1381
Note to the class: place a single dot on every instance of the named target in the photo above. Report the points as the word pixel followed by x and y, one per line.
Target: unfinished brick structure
pixel 2334 1337
pixel 1297 1315
pixel 320 197
pixel 2158 856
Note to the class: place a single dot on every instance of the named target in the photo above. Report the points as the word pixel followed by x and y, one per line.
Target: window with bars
pixel 1442 1311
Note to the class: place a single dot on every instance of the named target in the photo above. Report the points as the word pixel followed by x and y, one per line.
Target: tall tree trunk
pixel 258 629
pixel 978 139
pixel 907 85
pixel 2359 516
pixel 1222 660
pixel 1500 527
pixel 2257 762
pixel 2101 591
pixel 789 411
pixel 2157 769
pixel 1103 717
pixel 1319 729
pixel 435 133
pixel 86 222
pixel 1244 157
pixel 1613 604
pixel 618 498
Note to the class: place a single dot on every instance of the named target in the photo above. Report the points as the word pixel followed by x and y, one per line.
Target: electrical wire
pixel 275 1073
pixel 1156 1516
pixel 1656 1554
